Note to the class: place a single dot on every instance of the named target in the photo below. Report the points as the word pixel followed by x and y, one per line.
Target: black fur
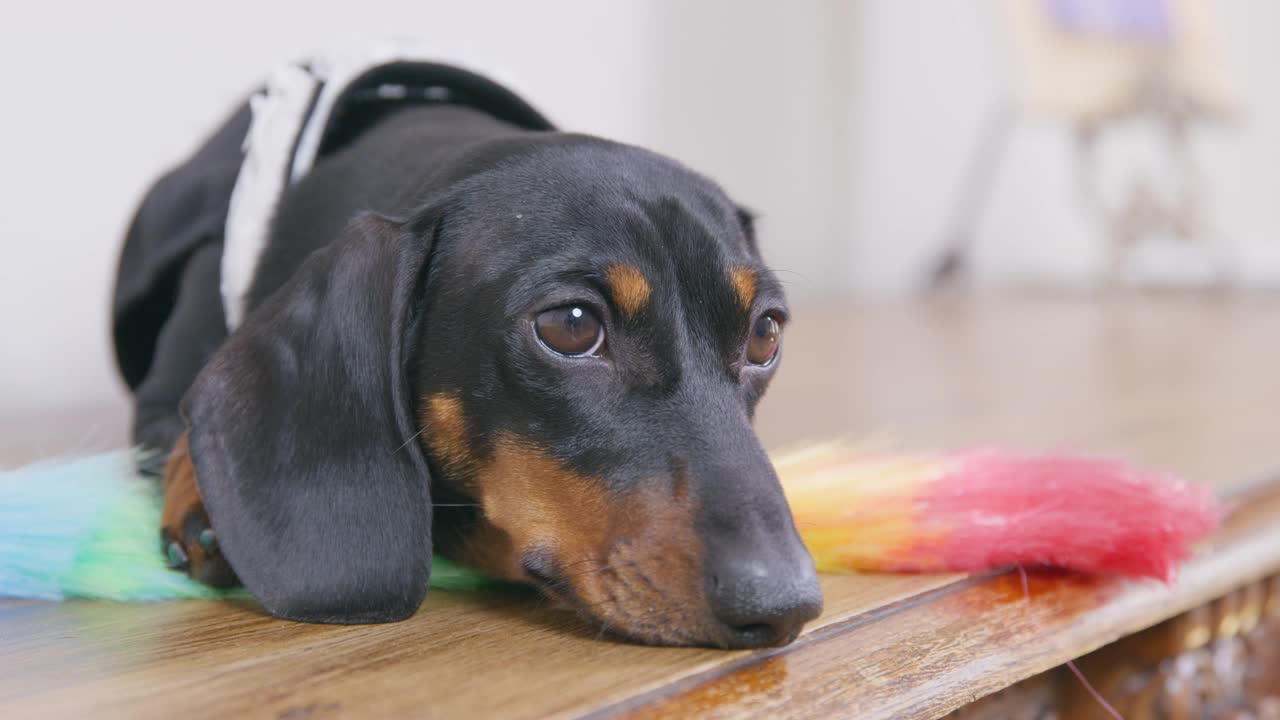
pixel 298 429
pixel 303 422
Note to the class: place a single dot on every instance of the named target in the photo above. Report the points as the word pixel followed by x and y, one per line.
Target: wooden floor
pixel 1183 384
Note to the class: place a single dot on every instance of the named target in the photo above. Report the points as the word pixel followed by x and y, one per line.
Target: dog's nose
pixel 762 605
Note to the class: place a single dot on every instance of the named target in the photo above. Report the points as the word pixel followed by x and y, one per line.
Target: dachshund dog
pixel 537 353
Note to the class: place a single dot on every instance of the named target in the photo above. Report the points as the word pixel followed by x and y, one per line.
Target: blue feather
pixel 89 527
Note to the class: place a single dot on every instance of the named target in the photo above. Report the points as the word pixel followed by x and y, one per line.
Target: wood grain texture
pixel 1181 384
pixel 1218 660
pixel 968 640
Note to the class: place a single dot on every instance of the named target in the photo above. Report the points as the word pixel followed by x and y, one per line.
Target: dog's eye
pixel 571 330
pixel 762 345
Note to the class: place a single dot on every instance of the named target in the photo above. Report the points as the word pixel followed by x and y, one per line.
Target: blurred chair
pixel 1095 65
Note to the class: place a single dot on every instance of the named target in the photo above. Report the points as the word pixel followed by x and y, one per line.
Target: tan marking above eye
pixel 630 288
pixel 744 284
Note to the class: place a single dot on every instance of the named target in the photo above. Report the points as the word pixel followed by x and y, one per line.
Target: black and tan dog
pixel 538 353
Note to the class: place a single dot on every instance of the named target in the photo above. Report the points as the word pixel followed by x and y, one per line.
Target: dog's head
pixel 571 345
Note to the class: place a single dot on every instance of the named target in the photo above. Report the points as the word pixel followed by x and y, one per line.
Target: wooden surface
pixel 1187 385
pixel 1219 660
pixel 932 656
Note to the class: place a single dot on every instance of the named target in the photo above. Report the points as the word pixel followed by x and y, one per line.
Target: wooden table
pixel 1183 384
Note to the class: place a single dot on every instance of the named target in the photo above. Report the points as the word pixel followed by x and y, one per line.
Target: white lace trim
pixel 284 136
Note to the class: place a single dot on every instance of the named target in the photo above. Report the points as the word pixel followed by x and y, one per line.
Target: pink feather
pixel 1087 515
pixel 984 509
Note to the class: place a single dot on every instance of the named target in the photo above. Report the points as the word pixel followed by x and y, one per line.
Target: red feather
pixel 986 509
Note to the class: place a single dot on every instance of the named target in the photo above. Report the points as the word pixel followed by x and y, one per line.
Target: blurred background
pixel 890 146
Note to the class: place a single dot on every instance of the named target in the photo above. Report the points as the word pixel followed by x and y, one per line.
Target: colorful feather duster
pixel 984 509
pixel 88 527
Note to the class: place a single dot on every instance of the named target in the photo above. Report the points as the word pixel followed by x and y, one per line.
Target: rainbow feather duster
pixel 87 527
pixel 983 509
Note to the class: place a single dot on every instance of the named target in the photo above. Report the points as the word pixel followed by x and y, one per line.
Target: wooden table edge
pixel 826 632
pixel 1232 537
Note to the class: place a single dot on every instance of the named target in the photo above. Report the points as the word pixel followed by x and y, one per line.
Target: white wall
pixel 846 124
pixel 758 94
pixel 97 98
pixel 929 74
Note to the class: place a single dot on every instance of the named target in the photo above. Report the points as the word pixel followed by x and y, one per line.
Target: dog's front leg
pixel 187 538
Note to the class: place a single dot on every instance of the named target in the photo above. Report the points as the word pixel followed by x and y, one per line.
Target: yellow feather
pixel 854 507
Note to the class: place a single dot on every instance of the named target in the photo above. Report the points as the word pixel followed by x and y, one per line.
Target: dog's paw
pixel 187 538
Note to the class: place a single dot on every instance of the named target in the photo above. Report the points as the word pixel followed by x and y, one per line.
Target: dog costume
pixel 221 200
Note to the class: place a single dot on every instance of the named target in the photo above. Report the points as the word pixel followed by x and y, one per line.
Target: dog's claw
pixel 208 541
pixel 187 540
pixel 197 554
pixel 176 557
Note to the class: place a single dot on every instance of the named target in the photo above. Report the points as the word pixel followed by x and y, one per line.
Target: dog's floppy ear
pixel 747 221
pixel 302 433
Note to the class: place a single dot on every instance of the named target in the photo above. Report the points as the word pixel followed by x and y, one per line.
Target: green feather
pixel 89 528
